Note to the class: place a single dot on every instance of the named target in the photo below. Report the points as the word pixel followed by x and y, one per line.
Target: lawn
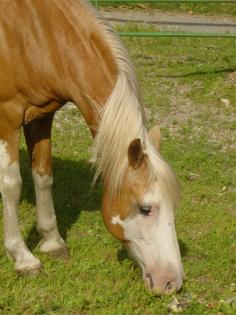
pixel 188 87
pixel 224 9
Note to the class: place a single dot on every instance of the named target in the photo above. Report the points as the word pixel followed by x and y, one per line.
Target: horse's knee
pixel 12 245
pixel 11 181
pixel 42 182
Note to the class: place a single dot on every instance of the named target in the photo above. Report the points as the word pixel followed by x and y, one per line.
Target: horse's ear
pixel 155 135
pixel 135 153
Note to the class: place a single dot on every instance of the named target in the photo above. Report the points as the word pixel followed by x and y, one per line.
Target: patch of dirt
pixel 210 121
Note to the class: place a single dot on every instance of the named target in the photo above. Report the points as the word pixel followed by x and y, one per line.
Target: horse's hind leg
pixel 38 134
pixel 10 187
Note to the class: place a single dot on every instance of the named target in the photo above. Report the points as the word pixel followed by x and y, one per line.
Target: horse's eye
pixel 145 210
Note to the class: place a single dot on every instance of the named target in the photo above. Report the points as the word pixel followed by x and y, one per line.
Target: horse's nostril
pixel 169 286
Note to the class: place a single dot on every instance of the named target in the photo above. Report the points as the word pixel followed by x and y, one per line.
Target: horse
pixel 57 51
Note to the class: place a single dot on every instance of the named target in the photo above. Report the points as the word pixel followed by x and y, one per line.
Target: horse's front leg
pixel 10 187
pixel 38 134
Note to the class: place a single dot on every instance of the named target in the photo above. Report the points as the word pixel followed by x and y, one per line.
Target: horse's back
pixel 54 51
pixel 40 41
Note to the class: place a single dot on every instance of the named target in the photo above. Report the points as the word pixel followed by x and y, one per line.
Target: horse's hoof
pixel 29 270
pixel 60 253
pixel 54 249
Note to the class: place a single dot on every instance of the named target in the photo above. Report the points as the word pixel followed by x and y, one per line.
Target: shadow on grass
pixel 72 193
pixel 191 74
pixel 183 248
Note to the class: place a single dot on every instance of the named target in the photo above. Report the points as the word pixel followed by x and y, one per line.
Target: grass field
pixel 188 87
pixel 228 9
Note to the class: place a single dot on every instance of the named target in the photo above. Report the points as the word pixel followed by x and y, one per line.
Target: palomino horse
pixel 57 51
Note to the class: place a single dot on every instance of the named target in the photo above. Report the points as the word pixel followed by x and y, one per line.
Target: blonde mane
pixel 122 121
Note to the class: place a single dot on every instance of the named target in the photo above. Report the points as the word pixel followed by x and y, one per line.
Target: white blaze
pixel 152 237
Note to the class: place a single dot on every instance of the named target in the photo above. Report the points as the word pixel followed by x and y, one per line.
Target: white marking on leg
pixel 4 160
pixel 10 186
pixel 46 219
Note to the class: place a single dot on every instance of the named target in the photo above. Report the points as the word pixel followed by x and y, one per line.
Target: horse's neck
pixel 93 78
pixel 90 68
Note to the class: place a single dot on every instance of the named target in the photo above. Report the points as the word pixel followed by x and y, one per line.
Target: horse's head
pixel 142 217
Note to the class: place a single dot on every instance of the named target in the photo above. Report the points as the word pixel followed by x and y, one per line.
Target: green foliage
pixel 188 89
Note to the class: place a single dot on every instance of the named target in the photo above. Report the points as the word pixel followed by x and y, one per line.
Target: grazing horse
pixel 57 51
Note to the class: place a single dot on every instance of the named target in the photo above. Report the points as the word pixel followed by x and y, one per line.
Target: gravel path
pixel 173 21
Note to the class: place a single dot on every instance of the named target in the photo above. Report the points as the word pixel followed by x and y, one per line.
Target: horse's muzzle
pixel 159 283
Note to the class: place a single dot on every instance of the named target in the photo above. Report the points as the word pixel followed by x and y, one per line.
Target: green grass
pixel 185 85
pixel 228 9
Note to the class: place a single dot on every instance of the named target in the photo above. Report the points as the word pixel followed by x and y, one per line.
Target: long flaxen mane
pixel 121 121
